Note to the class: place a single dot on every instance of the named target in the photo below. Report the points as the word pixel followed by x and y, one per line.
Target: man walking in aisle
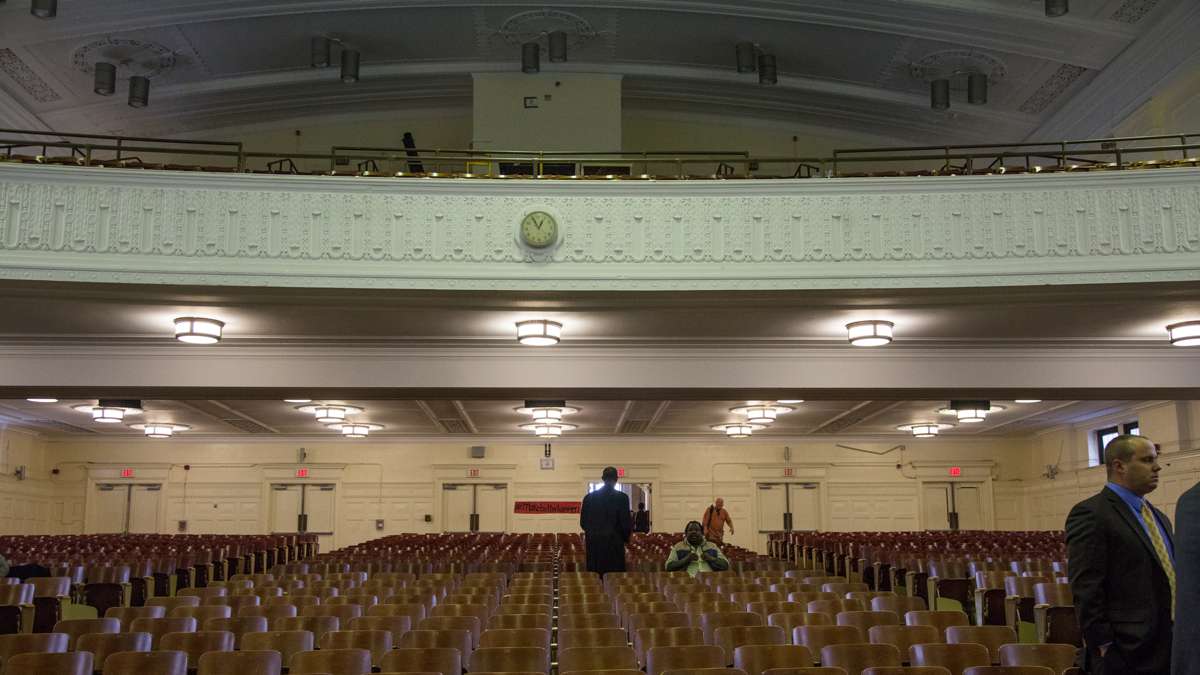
pixel 714 521
pixel 604 517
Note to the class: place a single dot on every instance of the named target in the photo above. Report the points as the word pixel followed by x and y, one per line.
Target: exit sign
pixel 620 472
pixel 788 471
pixel 126 473
pixel 956 471
pixel 472 473
pixel 302 472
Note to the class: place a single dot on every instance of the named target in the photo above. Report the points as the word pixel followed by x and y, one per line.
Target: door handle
pixel 302 522
pixel 474 522
pixel 787 522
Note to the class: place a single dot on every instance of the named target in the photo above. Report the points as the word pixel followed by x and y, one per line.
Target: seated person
pixel 695 554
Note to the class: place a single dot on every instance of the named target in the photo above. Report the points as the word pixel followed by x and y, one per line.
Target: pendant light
pixel 869 333
pixel 539 332
pixel 198 330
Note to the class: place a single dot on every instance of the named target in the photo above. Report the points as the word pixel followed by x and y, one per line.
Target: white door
pixel 107 509
pixel 968 502
pixel 458 503
pixel 804 500
pixel 772 504
pixel 286 508
pixel 318 506
pixel 143 508
pixel 491 503
pixel 935 506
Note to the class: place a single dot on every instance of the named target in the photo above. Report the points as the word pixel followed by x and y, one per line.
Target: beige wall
pixel 572 111
pixel 36 504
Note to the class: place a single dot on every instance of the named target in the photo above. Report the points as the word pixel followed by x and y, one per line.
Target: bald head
pixel 1132 462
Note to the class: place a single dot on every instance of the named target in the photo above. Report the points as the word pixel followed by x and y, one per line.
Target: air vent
pixel 245 425
pixel 634 427
pixel 860 414
pixel 454 426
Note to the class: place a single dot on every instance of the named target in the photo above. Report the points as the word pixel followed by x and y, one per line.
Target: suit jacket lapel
pixel 1126 514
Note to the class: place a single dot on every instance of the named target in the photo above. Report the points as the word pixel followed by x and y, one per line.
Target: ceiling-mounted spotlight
pixel 350 60
pixel 198 330
pixel 747 57
pixel 939 94
pixel 767 73
pixel 139 91
pixel 1057 8
pixel 160 429
pixel 1184 333
pixel 737 429
pixel 977 88
pixel 869 333
pixel 44 9
pixel 971 411
pixel 557 46
pixel 322 51
pixel 531 54
pixel 105 80
pixel 539 332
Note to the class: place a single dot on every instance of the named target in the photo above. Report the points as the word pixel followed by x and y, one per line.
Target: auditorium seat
pixel 817 638
pixel 396 625
pixel 834 607
pixel 603 671
pixel 1058 657
pixel 757 659
pixel 77 627
pixel 65 663
pixel 126 615
pixel 909 670
pixel 789 620
pixel 240 663
pixel 855 657
pixel 903 637
pixel 1008 670
pixel 992 637
pixel 955 658
pixel 510 659
pixel 471 624
pixel 286 642
pixel 197 643
pixel 938 619
pixel 160 627
pixel 269 612
pixel 317 625
pixel 900 604
pixel 703 671
pixel 378 642
pixel 456 639
pixel 146 663
pixel 414 611
pixel 177 601
pixel 576 621
pixel 331 662
pixel 645 639
pixel 1054 614
pixel 32 643
pixel 516 637
pixel 711 621
pixel 864 621
pixel 664 658
pixel 596 658
pixel 729 638
pixel 239 626
pixel 101 645
pixel 444 661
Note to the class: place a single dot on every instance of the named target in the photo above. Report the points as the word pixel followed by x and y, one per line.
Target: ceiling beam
pixel 658 414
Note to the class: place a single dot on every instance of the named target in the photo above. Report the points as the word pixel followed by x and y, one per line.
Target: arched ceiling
pixel 844 66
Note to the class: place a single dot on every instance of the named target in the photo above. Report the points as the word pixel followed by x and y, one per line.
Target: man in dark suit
pixel 604 517
pixel 1121 563
pixel 1185 659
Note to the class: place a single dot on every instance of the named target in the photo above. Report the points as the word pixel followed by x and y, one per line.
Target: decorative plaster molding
pixel 107 225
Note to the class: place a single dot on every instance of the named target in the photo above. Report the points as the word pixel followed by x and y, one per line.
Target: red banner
pixel 546 507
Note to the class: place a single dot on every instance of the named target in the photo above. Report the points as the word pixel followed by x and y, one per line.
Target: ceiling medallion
pixel 133 57
pixel 950 62
pixel 535 25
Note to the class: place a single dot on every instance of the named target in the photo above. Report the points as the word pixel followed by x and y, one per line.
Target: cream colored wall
pixel 227 484
pixel 36 504
pixel 1175 108
pixel 1168 423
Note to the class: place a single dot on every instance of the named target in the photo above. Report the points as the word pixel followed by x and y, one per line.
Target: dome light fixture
pixel 557 46
pixel 42 400
pixel 768 73
pixel 869 333
pixel 110 410
pixel 105 80
pixel 1027 400
pixel 321 48
pixel 790 401
pixel 547 415
pixel 1184 333
pixel 350 63
pixel 355 429
pixel 539 332
pixel 737 429
pixel 297 400
pixel 107 415
pixel 547 430
pixel 993 408
pixel 559 405
pixel 761 414
pixel 160 429
pixel 139 91
pixel 198 330
pixel 333 414
pixel 531 54
pixel 924 429
pixel 971 411
pixel 772 408
pixel 747 57
pixel 534 426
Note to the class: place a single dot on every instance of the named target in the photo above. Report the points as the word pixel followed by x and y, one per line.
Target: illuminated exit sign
pixel 956 471
pixel 620 472
pixel 302 472
pixel 126 473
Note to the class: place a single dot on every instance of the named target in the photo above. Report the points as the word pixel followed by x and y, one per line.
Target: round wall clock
pixel 538 230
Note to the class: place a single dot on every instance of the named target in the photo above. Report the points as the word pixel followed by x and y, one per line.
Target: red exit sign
pixel 788 471
pixel 956 471
pixel 302 472
pixel 126 473
pixel 620 472
pixel 472 473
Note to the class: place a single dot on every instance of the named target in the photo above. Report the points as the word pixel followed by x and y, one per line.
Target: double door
pixel 952 506
pixel 786 507
pixel 302 507
pixel 124 508
pixel 474 507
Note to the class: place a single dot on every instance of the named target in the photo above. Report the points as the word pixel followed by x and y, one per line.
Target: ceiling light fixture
pixel 737 429
pixel 355 429
pixel 44 9
pixel 557 46
pixel 539 332
pixel 107 415
pixel 139 91
pixel 939 94
pixel 977 88
pixel 1027 400
pixel 198 330
pixel 548 431
pixel 768 73
pixel 322 51
pixel 531 54
pixel 297 400
pixel 533 426
pixel 1184 333
pixel 350 62
pixel 160 429
pixel 761 414
pixel 547 415
pixel 42 400
pixel 560 405
pixel 747 57
pixel 333 414
pixel 924 429
pixel 758 405
pixel 869 333
pixel 1057 8
pixel 105 80
pixel 970 411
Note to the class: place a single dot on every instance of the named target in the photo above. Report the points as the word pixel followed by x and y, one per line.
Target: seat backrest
pixel 864 620
pixel 510 659
pixel 789 620
pixel 64 663
pixel 992 637
pixel 160 627
pixel 664 620
pixel 833 607
pixel 903 637
pixel 592 637
pixel 146 663
pixel 515 637
pixel 817 638
pixel 414 611
pixel 854 658
pixel 16 594
pixel 378 642
pixel 396 625
pixel 270 612
pixel 731 637
pixel 769 607
pixel 645 639
pixel 239 626
pixel 126 615
pixel 195 644
pixel 286 642
pixel 76 627
pixel 457 639
pixel 443 660
pixel 711 621
pixel 910 670
pixel 596 658
pixel 574 621
pixel 266 662
pixel 317 625
pixel 471 624
pixel 939 619
pixel 101 645
pixel 660 659
pixel 332 661
pixel 1057 658
pixel 900 604
pixel 172 602
pixel 1008 670
pixel 1054 595
pixel 755 659
pixel 32 643
pixel 202 613
pixel 51 587
pixel 955 658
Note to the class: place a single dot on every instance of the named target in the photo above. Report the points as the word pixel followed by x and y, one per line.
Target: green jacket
pixel 710 558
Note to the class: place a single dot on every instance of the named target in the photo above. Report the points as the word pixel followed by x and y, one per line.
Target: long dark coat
pixel 606 525
pixel 1186 656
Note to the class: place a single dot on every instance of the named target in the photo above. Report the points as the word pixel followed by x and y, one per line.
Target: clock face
pixel 539 230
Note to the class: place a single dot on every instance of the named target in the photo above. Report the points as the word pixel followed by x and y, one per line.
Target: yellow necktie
pixel 1160 548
